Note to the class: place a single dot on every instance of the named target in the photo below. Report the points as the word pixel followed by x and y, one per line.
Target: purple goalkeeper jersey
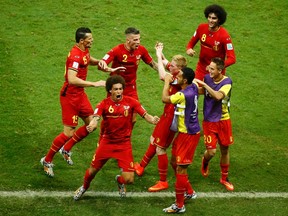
pixel 214 110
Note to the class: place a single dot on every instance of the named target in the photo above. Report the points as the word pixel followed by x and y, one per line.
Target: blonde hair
pixel 180 61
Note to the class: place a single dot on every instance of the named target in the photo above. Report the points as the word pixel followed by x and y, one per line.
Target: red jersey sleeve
pixel 229 48
pixel 99 108
pixel 110 55
pixel 146 57
pixel 138 107
pixel 193 41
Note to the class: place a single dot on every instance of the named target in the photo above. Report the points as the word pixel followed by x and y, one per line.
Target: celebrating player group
pixel 178 126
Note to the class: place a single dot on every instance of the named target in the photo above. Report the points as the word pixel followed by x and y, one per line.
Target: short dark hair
pixel 132 30
pixel 218 11
pixel 81 33
pixel 220 64
pixel 114 79
pixel 188 74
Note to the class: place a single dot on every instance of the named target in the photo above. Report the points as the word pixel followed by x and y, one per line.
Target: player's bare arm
pixel 151 119
pixel 109 69
pixel 217 95
pixel 154 65
pixel 74 80
pixel 165 93
pixel 159 53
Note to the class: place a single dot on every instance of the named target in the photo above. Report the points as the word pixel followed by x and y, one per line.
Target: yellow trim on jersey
pixel 179 98
pixel 225 103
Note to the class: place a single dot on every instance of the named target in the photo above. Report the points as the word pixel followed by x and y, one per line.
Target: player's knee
pixel 128 177
pixel 224 150
pixel 92 171
pixel 211 152
pixel 160 151
pixel 129 180
pixel 69 131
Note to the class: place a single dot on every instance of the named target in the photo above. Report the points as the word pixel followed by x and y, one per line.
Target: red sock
pixel 87 179
pixel 121 180
pixel 149 154
pixel 163 166
pixel 57 143
pixel 80 134
pixel 224 171
pixel 180 188
pixel 189 188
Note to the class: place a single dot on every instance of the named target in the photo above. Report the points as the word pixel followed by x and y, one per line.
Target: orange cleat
pixel 138 169
pixel 204 168
pixel 228 185
pixel 161 185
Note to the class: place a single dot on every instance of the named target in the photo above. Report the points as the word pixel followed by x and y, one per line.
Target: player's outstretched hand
pixel 102 64
pixel 118 69
pixel 92 125
pixel 190 52
pixel 199 82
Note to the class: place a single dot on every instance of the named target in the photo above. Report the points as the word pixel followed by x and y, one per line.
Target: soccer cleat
pixel 190 196
pixel 160 185
pixel 228 185
pixel 204 168
pixel 174 209
pixel 48 167
pixel 121 187
pixel 138 169
pixel 79 192
pixel 66 155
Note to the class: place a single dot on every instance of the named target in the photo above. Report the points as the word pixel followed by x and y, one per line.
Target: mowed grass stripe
pixel 31 194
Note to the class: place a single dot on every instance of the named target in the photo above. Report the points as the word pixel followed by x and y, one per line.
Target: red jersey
pixel 213 44
pixel 120 56
pixel 77 60
pixel 117 119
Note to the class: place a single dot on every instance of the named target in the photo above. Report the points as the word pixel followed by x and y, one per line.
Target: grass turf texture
pixel 35 37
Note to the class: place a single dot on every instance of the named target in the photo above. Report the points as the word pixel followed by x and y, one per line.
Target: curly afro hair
pixel 218 11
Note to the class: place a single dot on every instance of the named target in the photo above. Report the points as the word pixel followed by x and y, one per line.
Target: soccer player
pixel 117 111
pixel 187 139
pixel 162 135
pixel 217 123
pixel 128 55
pixel 73 99
pixel 215 41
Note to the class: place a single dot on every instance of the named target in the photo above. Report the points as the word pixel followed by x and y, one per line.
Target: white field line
pixel 251 195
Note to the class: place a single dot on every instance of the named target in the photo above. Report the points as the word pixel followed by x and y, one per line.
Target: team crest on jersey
pixel 126 110
pixel 215 47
